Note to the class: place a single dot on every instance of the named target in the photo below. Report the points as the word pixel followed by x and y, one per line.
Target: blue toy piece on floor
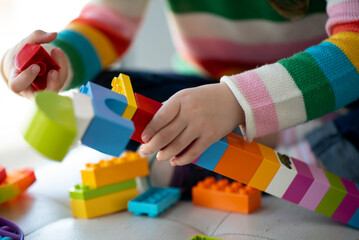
pixel 154 201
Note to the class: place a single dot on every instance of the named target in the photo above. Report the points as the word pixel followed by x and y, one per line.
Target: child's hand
pixel 21 82
pixel 190 121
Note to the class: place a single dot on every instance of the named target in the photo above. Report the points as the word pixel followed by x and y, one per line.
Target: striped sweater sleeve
pixel 308 85
pixel 99 36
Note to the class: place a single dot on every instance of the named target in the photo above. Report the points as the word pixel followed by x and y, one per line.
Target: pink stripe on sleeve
pixel 346 11
pixel 257 95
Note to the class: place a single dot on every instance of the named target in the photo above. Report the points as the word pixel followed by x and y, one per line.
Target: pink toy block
pixel 317 190
pixel 36 54
pixel 301 183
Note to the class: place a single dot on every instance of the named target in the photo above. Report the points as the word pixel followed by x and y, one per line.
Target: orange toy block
pixel 222 195
pixel 240 160
pixel 267 170
pixel 129 166
pixel 16 182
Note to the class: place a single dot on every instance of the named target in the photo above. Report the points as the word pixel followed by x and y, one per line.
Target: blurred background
pixel 151 50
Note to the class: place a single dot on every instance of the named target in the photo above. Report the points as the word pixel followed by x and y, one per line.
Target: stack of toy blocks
pixel 154 201
pixel 284 177
pixel 107 186
pixel 222 195
pixel 14 183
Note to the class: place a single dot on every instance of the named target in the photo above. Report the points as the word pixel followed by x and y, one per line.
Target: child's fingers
pixel 164 116
pixel 53 81
pixel 59 56
pixel 29 92
pixel 178 145
pixel 162 138
pixel 20 81
pixel 193 152
pixel 39 37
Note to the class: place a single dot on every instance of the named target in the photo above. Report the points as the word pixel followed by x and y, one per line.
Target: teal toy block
pixel 200 237
pixel 84 192
pixel 210 158
pixel 154 201
pixel 108 131
pixel 87 52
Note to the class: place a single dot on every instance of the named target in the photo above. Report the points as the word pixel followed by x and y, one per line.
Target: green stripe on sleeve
pixel 238 9
pixel 317 93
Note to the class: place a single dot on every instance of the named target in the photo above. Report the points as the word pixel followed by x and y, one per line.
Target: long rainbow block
pixel 15 183
pixel 250 163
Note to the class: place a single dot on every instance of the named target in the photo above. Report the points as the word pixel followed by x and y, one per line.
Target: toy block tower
pixel 108 185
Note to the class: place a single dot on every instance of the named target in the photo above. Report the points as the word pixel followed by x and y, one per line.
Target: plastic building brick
pixel 2 174
pixel 225 196
pixel 283 178
pixel 247 157
pixel 88 54
pixel 98 40
pixel 333 197
pixel 210 158
pixel 123 85
pixel 154 201
pixel 51 129
pixel 108 132
pixel 317 190
pixel 84 192
pixel 17 181
pixel 36 54
pixel 146 109
pixel 354 220
pixel 129 166
pixel 266 170
pixel 9 230
pixel 200 237
pixel 350 203
pixel 103 205
pixel 84 113
pixel 301 182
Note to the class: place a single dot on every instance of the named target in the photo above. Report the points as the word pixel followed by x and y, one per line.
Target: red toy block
pixel 2 174
pixel 36 54
pixel 222 195
pixel 146 109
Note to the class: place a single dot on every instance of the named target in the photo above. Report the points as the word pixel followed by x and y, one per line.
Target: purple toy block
pixel 350 203
pixel 300 184
pixel 317 190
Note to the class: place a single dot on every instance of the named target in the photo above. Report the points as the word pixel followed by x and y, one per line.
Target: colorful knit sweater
pixel 298 72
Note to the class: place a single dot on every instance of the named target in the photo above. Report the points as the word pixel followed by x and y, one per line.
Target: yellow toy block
pixel 122 85
pixel 129 166
pixel 107 204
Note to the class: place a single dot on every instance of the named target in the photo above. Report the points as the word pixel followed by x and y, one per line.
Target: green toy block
pixel 200 237
pixel 8 192
pixel 52 127
pixel 84 192
pixel 334 196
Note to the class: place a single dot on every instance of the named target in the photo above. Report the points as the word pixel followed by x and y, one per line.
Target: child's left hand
pixel 191 121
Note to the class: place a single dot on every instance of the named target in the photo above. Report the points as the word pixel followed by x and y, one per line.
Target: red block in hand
pixel 146 109
pixel 36 54
pixel 2 174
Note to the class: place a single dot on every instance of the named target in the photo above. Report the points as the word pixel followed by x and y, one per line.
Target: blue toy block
pixel 210 158
pixel 154 201
pixel 108 132
pixel 88 53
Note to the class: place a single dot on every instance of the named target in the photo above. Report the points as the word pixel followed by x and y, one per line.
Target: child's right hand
pixel 21 82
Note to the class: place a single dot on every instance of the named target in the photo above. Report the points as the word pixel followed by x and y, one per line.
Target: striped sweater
pixel 282 72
